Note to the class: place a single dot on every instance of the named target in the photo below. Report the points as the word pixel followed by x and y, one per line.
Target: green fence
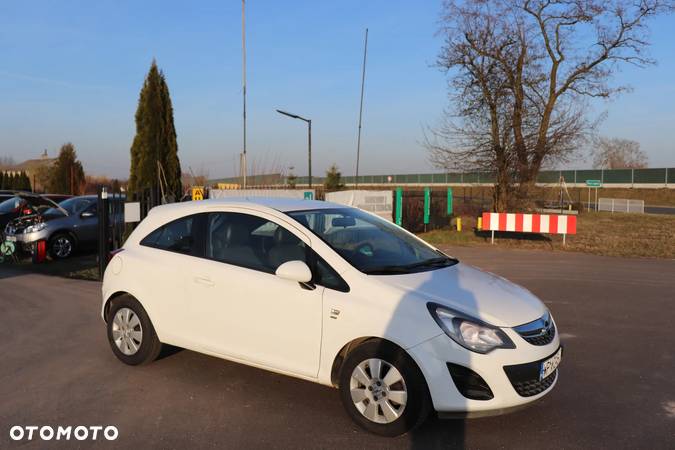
pixel 657 176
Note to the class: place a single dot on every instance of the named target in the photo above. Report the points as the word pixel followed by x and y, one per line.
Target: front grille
pixel 525 377
pixel 529 388
pixel 538 332
pixel 542 338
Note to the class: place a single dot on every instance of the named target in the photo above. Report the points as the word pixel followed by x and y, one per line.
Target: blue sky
pixel 72 71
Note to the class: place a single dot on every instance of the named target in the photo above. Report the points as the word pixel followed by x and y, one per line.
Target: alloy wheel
pixel 378 391
pixel 127 331
pixel 62 247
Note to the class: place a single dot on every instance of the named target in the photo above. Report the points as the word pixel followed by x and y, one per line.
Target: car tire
pixel 131 335
pixel 392 407
pixel 61 246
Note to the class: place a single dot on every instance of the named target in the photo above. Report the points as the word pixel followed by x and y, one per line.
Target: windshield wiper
pixel 386 270
pixel 443 261
pixel 408 268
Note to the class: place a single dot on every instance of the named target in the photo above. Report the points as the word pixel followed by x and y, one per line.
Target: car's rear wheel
pixel 61 246
pixel 131 335
pixel 383 390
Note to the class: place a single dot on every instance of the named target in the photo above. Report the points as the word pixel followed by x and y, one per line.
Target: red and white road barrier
pixel 530 223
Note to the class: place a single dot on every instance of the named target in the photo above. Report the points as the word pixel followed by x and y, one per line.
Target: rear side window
pixel 177 236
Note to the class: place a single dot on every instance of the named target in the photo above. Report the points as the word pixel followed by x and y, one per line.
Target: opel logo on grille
pixel 546 330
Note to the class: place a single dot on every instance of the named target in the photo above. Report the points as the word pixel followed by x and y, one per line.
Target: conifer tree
pixel 155 147
pixel 25 181
pixel 67 175
pixel 333 180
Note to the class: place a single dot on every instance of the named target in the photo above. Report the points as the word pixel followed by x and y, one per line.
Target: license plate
pixel 549 366
pixel 10 238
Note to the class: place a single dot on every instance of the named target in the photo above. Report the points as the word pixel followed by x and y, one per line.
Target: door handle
pixel 206 281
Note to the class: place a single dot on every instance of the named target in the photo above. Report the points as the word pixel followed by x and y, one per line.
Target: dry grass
pixel 628 235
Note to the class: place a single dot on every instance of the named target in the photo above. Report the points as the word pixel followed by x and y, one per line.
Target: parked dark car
pixel 21 204
pixel 70 225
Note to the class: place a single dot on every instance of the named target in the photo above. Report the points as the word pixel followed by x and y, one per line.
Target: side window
pixel 177 236
pixel 250 241
pixel 92 208
pixel 259 244
pixel 325 276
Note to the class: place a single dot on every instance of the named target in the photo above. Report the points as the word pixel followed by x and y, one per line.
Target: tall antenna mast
pixel 363 82
pixel 242 162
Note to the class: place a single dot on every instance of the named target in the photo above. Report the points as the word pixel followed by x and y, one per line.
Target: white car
pixel 334 295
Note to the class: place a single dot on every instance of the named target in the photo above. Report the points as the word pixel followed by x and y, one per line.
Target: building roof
pixel 33 164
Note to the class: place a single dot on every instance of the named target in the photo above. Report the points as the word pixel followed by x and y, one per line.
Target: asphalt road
pixel 616 386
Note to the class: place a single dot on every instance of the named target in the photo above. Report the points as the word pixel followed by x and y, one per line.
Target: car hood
pixel 473 292
pixel 39 200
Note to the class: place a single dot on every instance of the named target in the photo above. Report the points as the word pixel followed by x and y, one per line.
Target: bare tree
pixel 615 153
pixel 521 72
pixel 6 162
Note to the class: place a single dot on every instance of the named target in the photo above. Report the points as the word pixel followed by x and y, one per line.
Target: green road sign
pixel 449 201
pixel 309 195
pixel 427 204
pixel 594 183
pixel 399 206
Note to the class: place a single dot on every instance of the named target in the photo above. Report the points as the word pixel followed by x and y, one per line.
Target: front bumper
pixel 433 356
pixel 29 238
pixel 25 243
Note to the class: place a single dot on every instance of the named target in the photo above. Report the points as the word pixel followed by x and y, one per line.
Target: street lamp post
pixel 309 139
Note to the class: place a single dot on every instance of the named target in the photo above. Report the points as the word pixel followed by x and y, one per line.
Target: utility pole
pixel 242 162
pixel 363 82
pixel 309 145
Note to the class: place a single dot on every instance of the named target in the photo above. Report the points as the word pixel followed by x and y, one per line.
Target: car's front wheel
pixel 383 390
pixel 130 333
pixel 61 246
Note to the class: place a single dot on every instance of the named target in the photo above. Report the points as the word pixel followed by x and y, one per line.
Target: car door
pixel 85 224
pixel 243 309
pixel 166 254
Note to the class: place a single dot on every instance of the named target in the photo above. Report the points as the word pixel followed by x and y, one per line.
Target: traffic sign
pixel 198 193
pixel 594 183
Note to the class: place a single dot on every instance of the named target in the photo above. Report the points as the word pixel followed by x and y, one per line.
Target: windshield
pixel 371 244
pixel 72 205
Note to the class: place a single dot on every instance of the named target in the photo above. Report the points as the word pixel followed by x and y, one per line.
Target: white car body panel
pixel 472 291
pixel 227 311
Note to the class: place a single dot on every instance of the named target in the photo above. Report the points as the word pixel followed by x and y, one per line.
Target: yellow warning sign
pixel 198 193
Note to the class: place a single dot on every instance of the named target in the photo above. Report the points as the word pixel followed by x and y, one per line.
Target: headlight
pixel 33 228
pixel 468 332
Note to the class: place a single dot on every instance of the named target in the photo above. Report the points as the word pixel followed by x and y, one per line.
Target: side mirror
pixel 294 271
pixel 86 214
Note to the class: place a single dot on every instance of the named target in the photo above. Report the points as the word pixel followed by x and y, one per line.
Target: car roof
pixel 88 197
pixel 280 204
